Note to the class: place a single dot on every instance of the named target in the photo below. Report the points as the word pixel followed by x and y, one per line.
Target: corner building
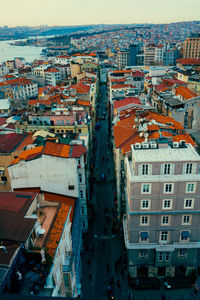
pixel 162 222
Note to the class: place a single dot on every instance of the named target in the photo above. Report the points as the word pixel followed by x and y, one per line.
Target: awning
pixel 144 235
pixel 185 234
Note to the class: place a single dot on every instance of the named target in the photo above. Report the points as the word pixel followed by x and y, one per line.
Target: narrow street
pixel 104 255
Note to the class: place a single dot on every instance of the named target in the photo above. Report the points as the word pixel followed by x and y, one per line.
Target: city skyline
pixel 23 13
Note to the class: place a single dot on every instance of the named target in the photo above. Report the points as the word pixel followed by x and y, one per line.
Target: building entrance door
pixel 161 271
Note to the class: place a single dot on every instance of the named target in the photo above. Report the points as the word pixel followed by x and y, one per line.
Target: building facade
pixel 191 48
pixel 161 226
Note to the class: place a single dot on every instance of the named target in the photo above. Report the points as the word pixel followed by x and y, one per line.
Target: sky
pixel 82 12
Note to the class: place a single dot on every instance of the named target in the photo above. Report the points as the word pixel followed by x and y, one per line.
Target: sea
pixel 9 52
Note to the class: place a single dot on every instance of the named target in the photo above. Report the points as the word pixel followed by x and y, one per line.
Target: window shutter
pixel 150 170
pixel 172 169
pixel 140 169
pixel 184 168
pixel 162 169
pixel 194 168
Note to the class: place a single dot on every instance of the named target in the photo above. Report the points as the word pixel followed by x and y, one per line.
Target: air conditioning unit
pixel 175 144
pixel 137 146
pixel 153 145
pixel 3 182
pixel 145 145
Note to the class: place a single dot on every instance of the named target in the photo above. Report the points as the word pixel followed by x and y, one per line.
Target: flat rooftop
pixel 167 153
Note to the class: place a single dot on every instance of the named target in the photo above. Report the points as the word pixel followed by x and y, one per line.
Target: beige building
pixel 191 48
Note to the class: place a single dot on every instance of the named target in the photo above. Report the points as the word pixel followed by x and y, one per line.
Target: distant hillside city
pixel 100 162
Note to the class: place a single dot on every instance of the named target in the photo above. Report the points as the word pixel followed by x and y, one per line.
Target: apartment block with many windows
pixel 191 48
pixel 162 222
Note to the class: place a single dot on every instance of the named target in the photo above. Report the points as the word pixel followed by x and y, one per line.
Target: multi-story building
pixel 65 174
pixel 52 76
pixel 191 48
pixel 133 51
pixel 19 89
pixel 4 70
pixel 122 59
pixel 149 54
pixel 161 226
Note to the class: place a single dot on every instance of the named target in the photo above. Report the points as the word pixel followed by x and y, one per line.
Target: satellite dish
pixel 136 119
pixel 140 134
pixel 134 126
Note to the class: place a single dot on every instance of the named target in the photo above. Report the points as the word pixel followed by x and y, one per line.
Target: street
pixel 104 259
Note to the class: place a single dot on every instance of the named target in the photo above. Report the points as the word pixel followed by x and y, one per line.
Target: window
pixel 83 224
pixel 189 168
pixel 145 204
pixel 188 203
pixel 160 256
pixel 190 187
pixel 167 204
pixel 186 220
pixel 144 236
pixel 185 235
pixel 144 220
pixel 80 178
pixel 165 220
pixel 2 170
pixel 166 169
pixel 81 194
pixel 164 236
pixel 182 253
pixel 71 187
pixel 163 256
pixel 167 256
pixel 144 169
pixel 82 210
pixel 168 188
pixel 143 253
pixel 146 189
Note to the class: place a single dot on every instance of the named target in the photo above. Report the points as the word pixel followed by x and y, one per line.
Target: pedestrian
pixel 90 277
pixel 89 262
pixel 92 248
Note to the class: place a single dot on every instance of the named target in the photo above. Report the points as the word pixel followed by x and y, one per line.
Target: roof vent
pixel 175 144
pixel 145 145
pixel 137 146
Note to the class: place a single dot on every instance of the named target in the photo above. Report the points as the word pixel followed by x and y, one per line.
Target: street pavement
pixel 104 255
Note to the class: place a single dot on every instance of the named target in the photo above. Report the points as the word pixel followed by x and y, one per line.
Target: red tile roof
pixel 188 61
pixel 120 86
pixel 185 92
pixel 81 88
pixel 55 149
pixel 83 103
pixel 77 151
pixel 51 70
pixel 9 142
pixel 17 81
pixel 127 101
pixel 126 132
pixel 14 226
pixel 56 232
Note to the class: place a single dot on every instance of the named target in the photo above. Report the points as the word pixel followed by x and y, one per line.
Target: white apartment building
pixel 56 168
pixel 162 222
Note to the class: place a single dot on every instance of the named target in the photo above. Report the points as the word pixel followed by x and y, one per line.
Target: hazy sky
pixel 76 12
